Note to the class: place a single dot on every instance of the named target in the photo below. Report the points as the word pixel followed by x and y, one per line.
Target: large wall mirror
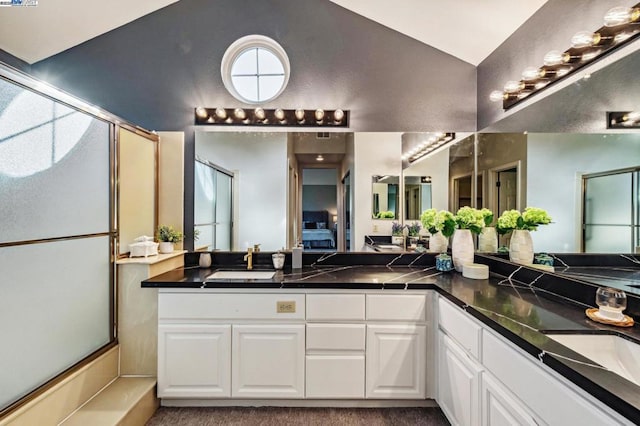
pixel 385 197
pixel 585 175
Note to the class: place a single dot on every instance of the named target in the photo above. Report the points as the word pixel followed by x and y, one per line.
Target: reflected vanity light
pixel 623 120
pixel 428 146
pixel 279 117
pixel 621 25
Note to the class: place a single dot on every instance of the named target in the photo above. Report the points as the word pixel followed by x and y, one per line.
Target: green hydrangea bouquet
pixel 529 220
pixel 438 221
pixel 471 219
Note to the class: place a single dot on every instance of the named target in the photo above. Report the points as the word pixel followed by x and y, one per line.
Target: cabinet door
pixel 268 361
pixel 396 361
pixel 335 376
pixel 194 361
pixel 499 407
pixel 458 383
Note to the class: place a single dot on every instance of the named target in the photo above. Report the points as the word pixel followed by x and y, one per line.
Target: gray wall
pixel 578 108
pixel 320 197
pixel 9 59
pixel 155 70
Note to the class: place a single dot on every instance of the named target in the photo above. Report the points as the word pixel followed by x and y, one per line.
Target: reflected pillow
pixel 321 225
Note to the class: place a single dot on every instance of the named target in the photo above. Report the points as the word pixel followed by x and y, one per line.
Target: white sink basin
pixel 619 355
pixel 241 275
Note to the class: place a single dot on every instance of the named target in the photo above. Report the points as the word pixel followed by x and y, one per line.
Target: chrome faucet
pixel 249 258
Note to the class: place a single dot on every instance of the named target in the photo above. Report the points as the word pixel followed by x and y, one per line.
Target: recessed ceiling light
pixel 319 157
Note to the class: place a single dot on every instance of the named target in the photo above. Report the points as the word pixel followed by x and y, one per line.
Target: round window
pixel 255 69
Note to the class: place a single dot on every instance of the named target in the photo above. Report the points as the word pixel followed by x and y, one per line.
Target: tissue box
pixel 143 249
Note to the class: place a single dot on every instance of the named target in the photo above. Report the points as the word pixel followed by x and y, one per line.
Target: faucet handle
pixel 256 248
pixel 249 250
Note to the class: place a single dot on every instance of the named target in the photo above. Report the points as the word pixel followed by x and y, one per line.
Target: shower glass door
pixel 610 212
pixel 213 207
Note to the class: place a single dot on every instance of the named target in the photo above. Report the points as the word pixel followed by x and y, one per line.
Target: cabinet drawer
pixel 399 307
pixel 335 376
pixel 229 306
pixel 341 307
pixel 525 376
pixel 336 337
pixel 460 327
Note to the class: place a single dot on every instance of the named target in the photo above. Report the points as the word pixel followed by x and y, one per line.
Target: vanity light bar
pixel 428 146
pixel 271 117
pixel 623 120
pixel 621 25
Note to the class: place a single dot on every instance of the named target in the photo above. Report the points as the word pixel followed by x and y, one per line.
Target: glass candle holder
pixel 611 302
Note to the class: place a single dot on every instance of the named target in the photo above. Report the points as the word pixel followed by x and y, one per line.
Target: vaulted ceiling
pixel 467 29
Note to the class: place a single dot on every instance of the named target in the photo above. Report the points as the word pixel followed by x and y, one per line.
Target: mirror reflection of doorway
pixel 506 190
pixel 346 217
pixel 461 192
pixel 320 208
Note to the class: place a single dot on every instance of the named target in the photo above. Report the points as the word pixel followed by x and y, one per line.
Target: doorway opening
pixel 320 208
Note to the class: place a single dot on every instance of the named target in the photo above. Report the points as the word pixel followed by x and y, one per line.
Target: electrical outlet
pixel 288 307
pixel 375 228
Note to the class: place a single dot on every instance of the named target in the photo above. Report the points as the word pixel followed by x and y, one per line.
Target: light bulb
pixel 632 116
pixel 319 157
pixel 201 112
pixel 587 56
pixel 319 114
pixel 338 115
pixel 556 57
pixel 513 86
pixel 539 85
pixel 279 114
pixel 299 114
pixel 621 15
pixel 221 113
pixel 562 72
pixel 239 113
pixel 531 73
pixel 585 39
pixel 259 113
pixel 496 96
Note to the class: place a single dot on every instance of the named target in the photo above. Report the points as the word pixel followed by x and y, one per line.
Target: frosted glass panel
pixel 246 63
pixel 205 194
pixel 54 168
pixel 608 200
pixel 607 239
pixel 247 87
pixel 205 237
pixel 54 310
pixel 269 63
pixel 223 212
pixel 269 86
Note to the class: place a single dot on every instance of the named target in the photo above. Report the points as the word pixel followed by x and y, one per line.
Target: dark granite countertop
pixel 515 308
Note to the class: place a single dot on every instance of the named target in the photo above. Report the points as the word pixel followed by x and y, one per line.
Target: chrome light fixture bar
pixel 271 117
pixel 623 120
pixel 621 25
pixel 431 144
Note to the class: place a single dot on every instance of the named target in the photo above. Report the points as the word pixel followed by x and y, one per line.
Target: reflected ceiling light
pixel 621 15
pixel 270 117
pixel 221 113
pixel 433 142
pixel 623 120
pixel 621 25
pixel 319 157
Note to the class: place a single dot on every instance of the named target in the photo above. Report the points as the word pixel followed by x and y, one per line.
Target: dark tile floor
pixel 208 416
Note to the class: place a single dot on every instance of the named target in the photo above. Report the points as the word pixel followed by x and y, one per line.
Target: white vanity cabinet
pixel 396 346
pixel 335 346
pixel 458 383
pixel 485 380
pixel 194 361
pixel 268 361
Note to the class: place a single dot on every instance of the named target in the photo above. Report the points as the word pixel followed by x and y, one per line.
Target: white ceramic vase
pixel 462 250
pixel 397 240
pixel 205 260
pixel 488 240
pixel 438 243
pixel 165 247
pixel 521 247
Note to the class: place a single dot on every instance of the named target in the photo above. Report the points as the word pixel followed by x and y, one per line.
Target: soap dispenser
pixel 296 256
